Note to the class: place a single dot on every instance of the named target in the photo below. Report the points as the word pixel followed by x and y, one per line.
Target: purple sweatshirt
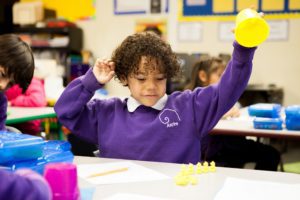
pixel 172 134
pixel 3 110
pixel 23 185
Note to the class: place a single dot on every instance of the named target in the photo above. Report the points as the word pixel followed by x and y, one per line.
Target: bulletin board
pixel 71 10
pixel 222 10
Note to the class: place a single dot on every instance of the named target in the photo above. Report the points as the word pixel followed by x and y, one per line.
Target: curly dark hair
pixel 128 55
pixel 17 60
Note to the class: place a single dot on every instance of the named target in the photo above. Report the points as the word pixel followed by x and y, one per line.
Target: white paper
pixel 225 31
pixel 190 32
pixel 135 173
pixel 196 2
pixel 237 189
pixel 128 196
pixel 132 6
pixel 278 30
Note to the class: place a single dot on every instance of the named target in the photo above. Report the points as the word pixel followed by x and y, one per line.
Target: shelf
pixel 34 30
pixel 74 34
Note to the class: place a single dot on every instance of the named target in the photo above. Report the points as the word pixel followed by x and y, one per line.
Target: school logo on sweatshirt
pixel 169 117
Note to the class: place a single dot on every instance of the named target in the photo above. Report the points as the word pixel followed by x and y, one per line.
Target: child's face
pixel 215 76
pixel 4 80
pixel 147 86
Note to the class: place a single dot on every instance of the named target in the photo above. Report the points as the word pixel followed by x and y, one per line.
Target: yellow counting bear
pixel 251 29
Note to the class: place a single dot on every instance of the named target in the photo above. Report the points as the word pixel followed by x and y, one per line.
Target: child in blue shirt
pixel 150 125
pixel 225 150
pixel 17 66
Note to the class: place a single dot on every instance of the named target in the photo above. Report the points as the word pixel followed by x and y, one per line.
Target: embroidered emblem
pixel 169 117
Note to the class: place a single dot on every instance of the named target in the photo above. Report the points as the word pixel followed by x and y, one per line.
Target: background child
pixel 149 125
pixel 17 66
pixel 229 151
pixel 33 97
pixel 23 184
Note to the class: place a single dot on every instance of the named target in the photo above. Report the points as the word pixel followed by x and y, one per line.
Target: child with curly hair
pixel 150 125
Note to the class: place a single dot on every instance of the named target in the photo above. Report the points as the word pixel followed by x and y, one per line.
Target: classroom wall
pixel 274 62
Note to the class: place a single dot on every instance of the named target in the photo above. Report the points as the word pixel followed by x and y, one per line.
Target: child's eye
pixel 161 79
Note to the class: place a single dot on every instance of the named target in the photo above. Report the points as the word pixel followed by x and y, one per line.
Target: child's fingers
pixel 111 74
pixel 112 65
pixel 252 6
pixel 261 14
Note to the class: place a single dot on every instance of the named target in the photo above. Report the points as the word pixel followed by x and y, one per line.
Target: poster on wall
pixel 195 10
pixel 160 25
pixel 226 31
pixel 279 30
pixel 190 32
pixel 85 9
pixel 125 7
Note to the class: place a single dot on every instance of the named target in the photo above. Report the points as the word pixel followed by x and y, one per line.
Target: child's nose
pixel 151 85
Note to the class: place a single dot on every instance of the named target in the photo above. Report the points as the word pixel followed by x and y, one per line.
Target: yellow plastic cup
pixel 251 29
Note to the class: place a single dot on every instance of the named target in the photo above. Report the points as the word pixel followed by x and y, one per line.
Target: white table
pixel 209 184
pixel 23 114
pixel 243 126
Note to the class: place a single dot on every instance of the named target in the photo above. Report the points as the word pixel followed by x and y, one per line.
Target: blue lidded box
pixel 17 147
pixel 267 123
pixel 54 151
pixel 292 111
pixel 292 120
pixel 269 110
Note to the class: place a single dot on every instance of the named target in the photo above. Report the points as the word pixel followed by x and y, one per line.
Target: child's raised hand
pixel 104 70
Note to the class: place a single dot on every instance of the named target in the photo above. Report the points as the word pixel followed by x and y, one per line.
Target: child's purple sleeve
pixel 3 110
pixel 214 101
pixel 24 184
pixel 75 110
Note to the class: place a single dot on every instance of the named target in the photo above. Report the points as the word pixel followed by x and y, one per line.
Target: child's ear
pixel 202 76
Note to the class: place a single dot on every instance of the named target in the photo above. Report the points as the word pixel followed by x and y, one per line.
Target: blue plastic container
pixel 292 120
pixel 58 145
pixel 54 151
pixel 292 124
pixel 38 165
pixel 267 123
pixel 265 110
pixel 17 147
pixel 292 111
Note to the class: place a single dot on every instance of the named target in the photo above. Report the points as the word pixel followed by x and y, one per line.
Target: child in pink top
pixel 33 97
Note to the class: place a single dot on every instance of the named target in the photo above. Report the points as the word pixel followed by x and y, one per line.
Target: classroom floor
pixel 291 157
pixel 290 154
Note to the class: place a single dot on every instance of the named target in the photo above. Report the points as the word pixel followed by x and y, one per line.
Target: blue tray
pixel 267 123
pixel 54 151
pixel 265 110
pixel 18 147
pixel 292 111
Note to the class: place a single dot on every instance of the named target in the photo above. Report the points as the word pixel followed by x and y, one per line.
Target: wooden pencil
pixel 108 172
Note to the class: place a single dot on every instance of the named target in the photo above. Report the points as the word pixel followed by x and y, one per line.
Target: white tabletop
pixel 209 183
pixel 243 126
pixel 23 114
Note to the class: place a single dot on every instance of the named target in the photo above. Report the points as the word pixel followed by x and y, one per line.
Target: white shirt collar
pixel 133 104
